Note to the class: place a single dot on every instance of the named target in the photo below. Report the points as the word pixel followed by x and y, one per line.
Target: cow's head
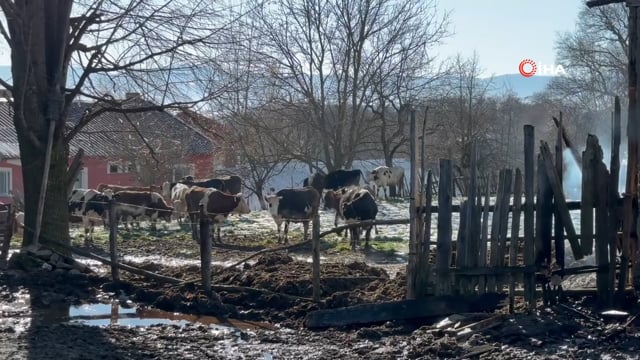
pixel 332 199
pixel 273 201
pixel 243 205
pixel 166 189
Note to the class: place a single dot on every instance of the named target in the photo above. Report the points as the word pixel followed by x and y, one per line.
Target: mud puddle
pixel 107 314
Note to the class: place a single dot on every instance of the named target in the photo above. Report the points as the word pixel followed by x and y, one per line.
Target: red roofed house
pixel 121 148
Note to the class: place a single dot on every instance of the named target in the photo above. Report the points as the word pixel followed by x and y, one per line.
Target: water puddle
pixel 115 314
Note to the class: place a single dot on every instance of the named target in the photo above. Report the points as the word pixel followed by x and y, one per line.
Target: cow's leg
pixel 279 226
pixel 367 237
pixel 85 225
pixel 193 217
pixel 286 231
pixel 305 225
pixel 353 232
pixel 218 232
pixel 384 189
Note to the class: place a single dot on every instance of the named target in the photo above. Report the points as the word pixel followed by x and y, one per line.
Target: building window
pixel 182 170
pixel 121 167
pixel 82 180
pixel 5 181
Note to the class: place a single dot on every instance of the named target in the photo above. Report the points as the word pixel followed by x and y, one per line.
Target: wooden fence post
pixel 495 230
pixel 205 249
pixel 472 235
pixel 482 261
pixel 443 248
pixel 614 178
pixel 601 179
pixel 529 244
pixel 113 234
pixel 413 240
pixel 315 254
pixel 558 227
pixel 588 194
pixel 424 268
pixel 544 215
pixel 515 235
pixel 504 223
pixel 7 233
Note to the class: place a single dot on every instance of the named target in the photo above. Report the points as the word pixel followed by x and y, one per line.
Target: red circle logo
pixel 524 72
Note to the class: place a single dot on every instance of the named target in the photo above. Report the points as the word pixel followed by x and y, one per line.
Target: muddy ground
pixel 33 304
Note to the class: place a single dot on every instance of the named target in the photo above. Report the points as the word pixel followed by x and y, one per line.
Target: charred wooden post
pixel 529 244
pixel 561 203
pixel 113 233
pixel 413 241
pixel 472 235
pixel 205 249
pixel 515 235
pixel 563 136
pixel 443 257
pixel 544 215
pixel 315 255
pixel 614 178
pixel 7 233
pixel 558 228
pixel 504 222
pixel 424 268
pixel 494 255
pixel 633 129
pixel 484 239
pixel 461 247
pixel 601 180
pixel 587 201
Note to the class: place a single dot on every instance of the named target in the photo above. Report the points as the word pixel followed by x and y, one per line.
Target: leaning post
pixel 315 254
pixel 113 234
pixel 205 249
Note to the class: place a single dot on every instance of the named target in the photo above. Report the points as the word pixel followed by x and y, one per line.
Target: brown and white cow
pixel 137 204
pixel 217 204
pixel 293 205
pixel 230 184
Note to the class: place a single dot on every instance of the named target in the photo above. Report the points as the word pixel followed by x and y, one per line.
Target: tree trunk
pixel 260 194
pixel 55 222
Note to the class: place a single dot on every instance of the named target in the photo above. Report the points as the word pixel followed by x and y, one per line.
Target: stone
pixel 63 265
pixel 74 272
pixel 54 258
pixel 44 253
pixel 47 267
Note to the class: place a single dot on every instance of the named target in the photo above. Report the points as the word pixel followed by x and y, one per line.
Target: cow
pixel 333 199
pixel 18 223
pixel 293 205
pixel 384 177
pixel 357 204
pixel 231 184
pixel 136 204
pixel 334 180
pixel 89 204
pixel 216 203
pixel 117 188
pixel 178 201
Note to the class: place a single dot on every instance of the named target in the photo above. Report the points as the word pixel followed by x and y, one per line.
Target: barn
pixel 121 147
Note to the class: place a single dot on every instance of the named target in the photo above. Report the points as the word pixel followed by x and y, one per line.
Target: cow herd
pixel 347 192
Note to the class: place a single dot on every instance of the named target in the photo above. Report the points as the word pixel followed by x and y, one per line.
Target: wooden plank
pixel 564 136
pixel 529 244
pixel 495 229
pixel 424 268
pixel 113 234
pixel 557 221
pixel 572 205
pixel 544 215
pixel 515 233
pixel 461 249
pixel 561 204
pixel 401 310
pixel 504 221
pixel 205 249
pixel 633 126
pixel 470 249
pixel 484 239
pixel 443 257
pixel 614 179
pixel 413 182
pixel 315 255
pixel 587 201
pixel 601 183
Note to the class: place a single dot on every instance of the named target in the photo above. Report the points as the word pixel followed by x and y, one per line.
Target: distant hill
pixel 522 86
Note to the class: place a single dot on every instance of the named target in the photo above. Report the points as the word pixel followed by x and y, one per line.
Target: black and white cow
pixel 293 205
pixel 91 206
pixel 353 204
pixel 334 180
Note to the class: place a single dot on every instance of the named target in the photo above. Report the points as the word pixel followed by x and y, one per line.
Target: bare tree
pixel 327 55
pixel 146 46
pixel 594 56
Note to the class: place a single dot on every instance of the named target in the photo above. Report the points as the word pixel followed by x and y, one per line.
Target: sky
pixel 504 32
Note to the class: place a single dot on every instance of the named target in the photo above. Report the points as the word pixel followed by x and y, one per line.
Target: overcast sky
pixel 504 32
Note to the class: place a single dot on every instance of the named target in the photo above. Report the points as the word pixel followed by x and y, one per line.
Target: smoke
pixel 572 176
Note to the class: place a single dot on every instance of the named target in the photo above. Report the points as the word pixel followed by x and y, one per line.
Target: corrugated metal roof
pixel 112 133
